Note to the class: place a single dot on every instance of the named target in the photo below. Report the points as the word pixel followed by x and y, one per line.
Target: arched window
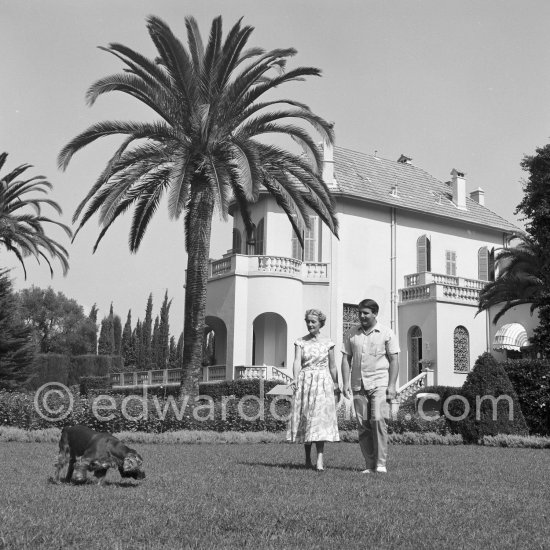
pixel 486 264
pixel 237 241
pixel 461 349
pixel 259 238
pixel 423 254
pixel 415 352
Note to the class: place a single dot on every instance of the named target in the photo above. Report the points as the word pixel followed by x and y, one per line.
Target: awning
pixel 511 336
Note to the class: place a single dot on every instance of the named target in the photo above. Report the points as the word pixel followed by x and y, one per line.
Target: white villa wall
pixel 449 316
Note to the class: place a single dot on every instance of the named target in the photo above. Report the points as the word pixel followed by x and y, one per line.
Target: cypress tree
pixel 127 348
pixel 93 318
pixel 155 345
pixel 17 350
pixel 164 333
pixel 172 354
pixel 117 335
pixel 146 335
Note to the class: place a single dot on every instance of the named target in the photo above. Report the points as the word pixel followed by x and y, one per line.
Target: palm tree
pixel 204 152
pixel 520 279
pixel 21 220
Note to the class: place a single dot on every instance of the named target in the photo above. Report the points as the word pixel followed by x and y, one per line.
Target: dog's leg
pixel 70 469
pixel 100 475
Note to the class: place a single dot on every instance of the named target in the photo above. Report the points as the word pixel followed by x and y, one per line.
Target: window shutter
pixel 310 240
pixel 450 263
pixel 483 264
pixel 236 241
pixel 296 247
pixel 259 240
pixel 422 247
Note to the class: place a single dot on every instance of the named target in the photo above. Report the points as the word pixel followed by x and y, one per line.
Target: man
pixel 372 350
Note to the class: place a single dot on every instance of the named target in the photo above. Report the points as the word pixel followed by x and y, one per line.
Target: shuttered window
pixel 259 240
pixel 237 241
pixel 311 243
pixel 450 263
pixel 423 254
pixel 486 264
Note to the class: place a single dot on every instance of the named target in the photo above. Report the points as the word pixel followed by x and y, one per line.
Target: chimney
pixel 479 196
pixel 404 159
pixel 458 186
pixel 328 163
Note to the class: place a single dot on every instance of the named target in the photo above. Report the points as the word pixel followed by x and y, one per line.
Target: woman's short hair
pixel 317 313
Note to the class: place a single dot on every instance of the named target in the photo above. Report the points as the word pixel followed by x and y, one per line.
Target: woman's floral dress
pixel 313 416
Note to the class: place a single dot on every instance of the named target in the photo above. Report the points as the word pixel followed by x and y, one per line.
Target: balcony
pixel 445 288
pixel 271 266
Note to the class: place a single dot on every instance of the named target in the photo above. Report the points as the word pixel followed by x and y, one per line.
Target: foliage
pixel 206 150
pixel 117 335
pixel 22 223
pixel 69 370
pixel 531 381
pixel 127 347
pixel 94 384
pixel 516 441
pixel 146 354
pixel 520 278
pixel 58 323
pixel 486 381
pixel 17 350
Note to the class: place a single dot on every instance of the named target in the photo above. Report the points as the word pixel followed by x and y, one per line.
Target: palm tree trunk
pixel 201 209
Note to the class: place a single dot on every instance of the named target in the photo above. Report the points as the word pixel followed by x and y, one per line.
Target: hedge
pixel 531 380
pixel 488 414
pixel 68 370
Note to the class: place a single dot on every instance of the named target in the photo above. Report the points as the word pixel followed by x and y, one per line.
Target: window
pixel 461 349
pixel 415 352
pixel 312 244
pixel 450 263
pixel 250 241
pixel 350 316
pixel 259 238
pixel 237 241
pixel 486 264
pixel 423 254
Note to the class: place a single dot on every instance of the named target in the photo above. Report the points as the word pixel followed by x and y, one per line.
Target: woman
pixel 313 417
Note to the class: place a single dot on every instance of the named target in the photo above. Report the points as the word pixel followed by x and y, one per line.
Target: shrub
pixel 239 388
pixel 94 384
pixel 531 380
pixel 49 367
pixel 486 384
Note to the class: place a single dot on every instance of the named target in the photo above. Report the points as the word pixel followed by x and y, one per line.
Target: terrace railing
pixel 241 264
pixel 266 372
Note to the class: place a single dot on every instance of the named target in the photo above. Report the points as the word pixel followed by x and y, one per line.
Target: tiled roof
pixel 372 178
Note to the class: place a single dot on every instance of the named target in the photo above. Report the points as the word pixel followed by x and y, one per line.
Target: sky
pixel 451 84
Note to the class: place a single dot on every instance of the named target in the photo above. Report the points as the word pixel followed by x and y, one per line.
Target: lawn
pixel 259 495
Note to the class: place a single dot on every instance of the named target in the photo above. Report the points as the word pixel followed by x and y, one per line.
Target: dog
pixel 96 452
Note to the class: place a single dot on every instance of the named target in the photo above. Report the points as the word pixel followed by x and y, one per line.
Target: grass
pixel 251 495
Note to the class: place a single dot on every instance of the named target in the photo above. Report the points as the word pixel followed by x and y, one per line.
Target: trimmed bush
pixel 490 399
pixel 50 367
pixel 238 388
pixel 531 380
pixel 94 384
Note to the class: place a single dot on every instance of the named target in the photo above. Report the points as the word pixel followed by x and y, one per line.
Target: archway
pixel 415 351
pixel 214 342
pixel 269 340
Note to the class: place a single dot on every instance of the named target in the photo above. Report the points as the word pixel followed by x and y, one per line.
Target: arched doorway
pixel 415 351
pixel 214 342
pixel 269 340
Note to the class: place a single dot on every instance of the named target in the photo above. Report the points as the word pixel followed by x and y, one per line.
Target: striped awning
pixel 511 336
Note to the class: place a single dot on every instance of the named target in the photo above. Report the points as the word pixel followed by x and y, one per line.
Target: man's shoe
pixel 381 470
pixel 368 471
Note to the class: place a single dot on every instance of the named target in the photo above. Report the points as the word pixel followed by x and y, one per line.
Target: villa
pixel 420 247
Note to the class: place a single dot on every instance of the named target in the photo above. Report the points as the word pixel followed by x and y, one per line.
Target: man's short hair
pixel 371 304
